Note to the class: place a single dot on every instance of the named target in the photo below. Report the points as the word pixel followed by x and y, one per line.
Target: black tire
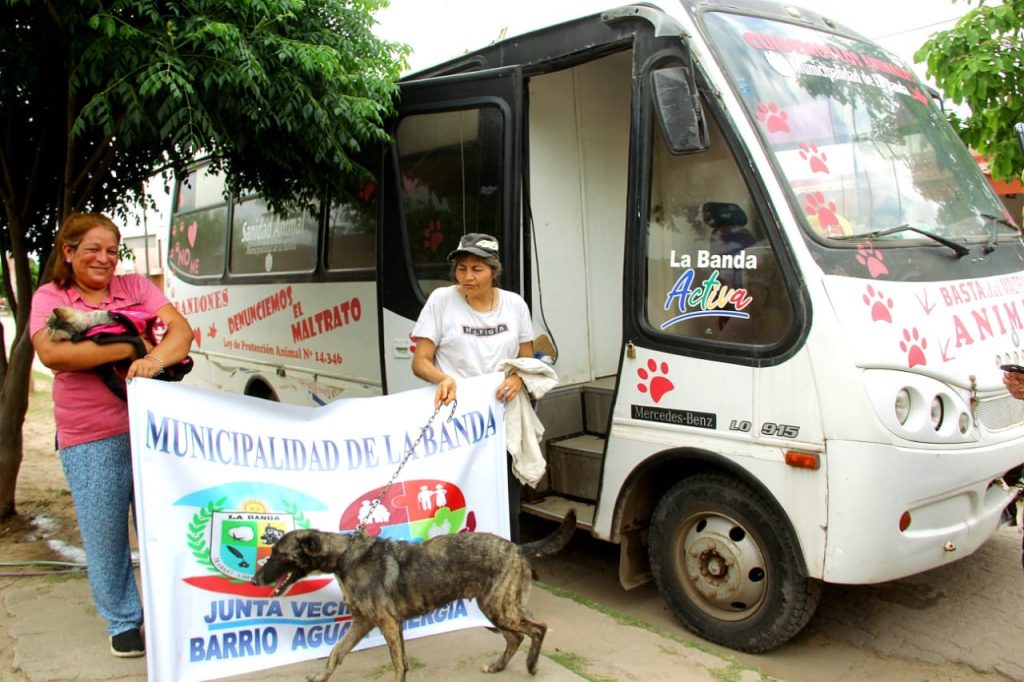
pixel 258 389
pixel 727 565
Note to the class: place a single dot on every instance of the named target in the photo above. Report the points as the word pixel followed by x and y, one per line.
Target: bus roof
pixel 561 45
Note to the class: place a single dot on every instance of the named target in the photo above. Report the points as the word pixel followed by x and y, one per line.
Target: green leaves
pixel 980 63
pixel 283 92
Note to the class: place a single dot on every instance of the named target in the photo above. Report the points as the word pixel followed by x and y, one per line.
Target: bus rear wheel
pixel 725 562
pixel 258 389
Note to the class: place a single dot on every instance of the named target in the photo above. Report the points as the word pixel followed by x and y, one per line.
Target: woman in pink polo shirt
pixel 92 422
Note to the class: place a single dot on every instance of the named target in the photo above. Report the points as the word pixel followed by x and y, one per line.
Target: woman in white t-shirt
pixel 466 329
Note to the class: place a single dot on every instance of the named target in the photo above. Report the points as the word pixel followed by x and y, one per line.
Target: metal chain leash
pixel 405 458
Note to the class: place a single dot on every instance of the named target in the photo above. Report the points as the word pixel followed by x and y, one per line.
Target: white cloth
pixel 469 342
pixel 523 430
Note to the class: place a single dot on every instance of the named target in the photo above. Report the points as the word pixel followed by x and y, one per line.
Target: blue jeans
pixel 100 477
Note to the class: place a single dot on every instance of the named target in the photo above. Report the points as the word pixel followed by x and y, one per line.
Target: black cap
pixel 478 244
pixel 719 214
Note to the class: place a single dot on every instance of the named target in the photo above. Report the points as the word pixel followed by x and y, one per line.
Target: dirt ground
pixel 45 528
pixel 45 524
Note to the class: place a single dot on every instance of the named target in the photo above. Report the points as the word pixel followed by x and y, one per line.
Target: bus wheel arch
pixel 726 560
pixel 648 483
pixel 259 388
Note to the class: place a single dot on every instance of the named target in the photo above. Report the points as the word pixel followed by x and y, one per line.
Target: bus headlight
pixel 920 408
pixel 937 412
pixel 902 405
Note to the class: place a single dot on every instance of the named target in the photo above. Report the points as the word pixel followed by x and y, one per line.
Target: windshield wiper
pixel 993 241
pixel 959 249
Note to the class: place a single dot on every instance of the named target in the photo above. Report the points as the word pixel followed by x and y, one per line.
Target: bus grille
pixel 1000 413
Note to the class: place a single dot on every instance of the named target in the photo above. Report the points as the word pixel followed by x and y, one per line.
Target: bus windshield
pixel 863 147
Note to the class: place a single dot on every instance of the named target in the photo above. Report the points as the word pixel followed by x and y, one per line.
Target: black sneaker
pixel 128 644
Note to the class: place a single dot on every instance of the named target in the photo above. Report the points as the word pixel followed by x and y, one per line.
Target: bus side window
pixel 352 232
pixel 199 226
pixel 263 242
pixel 449 163
pixel 711 272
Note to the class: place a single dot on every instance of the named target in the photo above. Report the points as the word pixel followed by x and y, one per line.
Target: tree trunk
pixel 13 407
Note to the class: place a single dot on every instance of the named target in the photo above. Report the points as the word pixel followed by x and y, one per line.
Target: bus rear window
pixel 202 188
pixel 196 246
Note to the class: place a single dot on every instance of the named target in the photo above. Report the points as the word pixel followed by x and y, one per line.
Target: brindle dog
pixel 386 581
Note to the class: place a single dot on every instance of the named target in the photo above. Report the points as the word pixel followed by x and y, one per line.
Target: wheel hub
pixel 724 567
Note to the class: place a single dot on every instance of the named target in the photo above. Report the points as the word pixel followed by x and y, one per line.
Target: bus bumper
pixel 954 499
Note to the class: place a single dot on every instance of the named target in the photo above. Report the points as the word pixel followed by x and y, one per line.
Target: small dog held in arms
pixel 65 323
pixel 112 326
pixel 386 581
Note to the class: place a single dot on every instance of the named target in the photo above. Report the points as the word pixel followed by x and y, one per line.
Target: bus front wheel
pixel 726 564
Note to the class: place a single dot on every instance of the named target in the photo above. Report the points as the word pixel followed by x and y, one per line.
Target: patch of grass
pixel 733 666
pixel 576 664
pixel 387 670
pixel 464 663
pixel 730 673
pixel 625 618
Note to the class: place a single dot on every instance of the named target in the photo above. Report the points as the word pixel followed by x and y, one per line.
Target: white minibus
pixel 775 285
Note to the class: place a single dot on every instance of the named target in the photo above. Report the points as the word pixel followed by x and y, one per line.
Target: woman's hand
pixel 1014 382
pixel 510 387
pixel 146 367
pixel 445 391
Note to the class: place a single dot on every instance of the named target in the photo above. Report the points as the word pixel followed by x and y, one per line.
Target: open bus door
pixel 451 168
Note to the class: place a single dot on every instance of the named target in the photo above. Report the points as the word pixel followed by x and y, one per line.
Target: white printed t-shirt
pixel 470 343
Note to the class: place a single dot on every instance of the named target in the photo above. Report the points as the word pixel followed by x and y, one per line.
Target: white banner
pixel 220 477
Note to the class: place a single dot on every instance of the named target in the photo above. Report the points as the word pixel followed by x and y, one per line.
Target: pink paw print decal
pixel 773 118
pixel 825 210
pixel 810 153
pixel 432 236
pixel 653 381
pixel 914 346
pixel 880 305
pixel 868 256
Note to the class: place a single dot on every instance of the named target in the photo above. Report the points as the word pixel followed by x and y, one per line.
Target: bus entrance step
pixel 574 464
pixel 555 508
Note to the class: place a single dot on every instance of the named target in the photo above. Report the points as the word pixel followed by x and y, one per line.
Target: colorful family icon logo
pixel 234 530
pixel 410 510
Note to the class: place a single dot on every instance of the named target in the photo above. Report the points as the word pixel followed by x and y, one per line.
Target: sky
pixel 439 29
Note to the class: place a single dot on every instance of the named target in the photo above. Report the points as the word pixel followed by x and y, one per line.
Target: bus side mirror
pixel 1019 127
pixel 679 110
